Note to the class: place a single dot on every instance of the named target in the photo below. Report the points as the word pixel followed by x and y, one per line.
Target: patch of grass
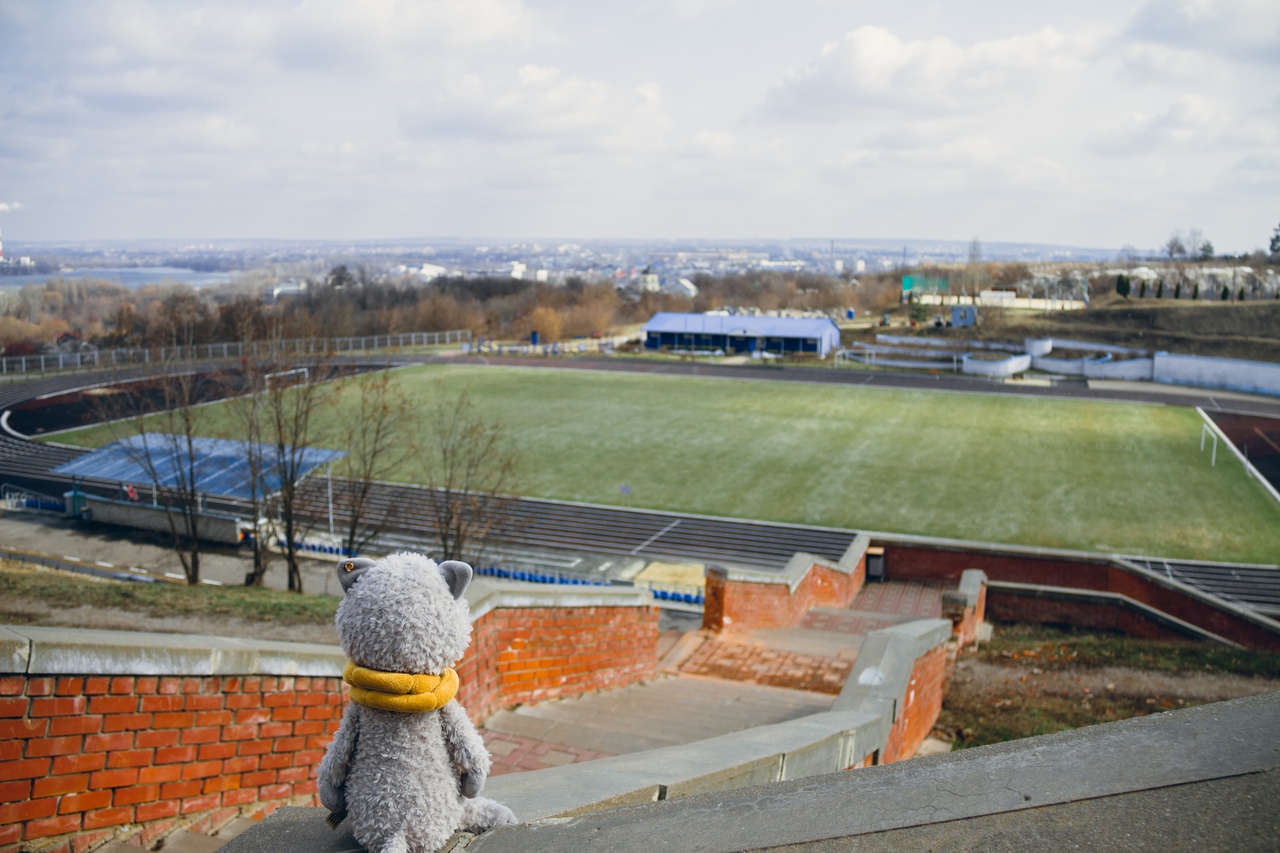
pixel 68 589
pixel 1094 476
pixel 980 722
pixel 1051 648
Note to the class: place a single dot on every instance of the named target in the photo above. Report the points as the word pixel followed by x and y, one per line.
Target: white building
pixel 683 287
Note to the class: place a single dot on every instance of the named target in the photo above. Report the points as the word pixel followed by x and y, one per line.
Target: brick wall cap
pixel 15 651
pixel 733 760
pixel 967 592
pixel 796 570
pixel 881 675
pixel 81 651
pixel 486 594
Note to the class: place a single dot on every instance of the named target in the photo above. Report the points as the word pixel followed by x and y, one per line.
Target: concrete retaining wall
pixel 143 516
pixel 1254 377
pixel 1130 368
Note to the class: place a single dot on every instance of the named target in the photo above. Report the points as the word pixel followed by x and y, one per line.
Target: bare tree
pixel 159 419
pixel 470 464
pixel 291 393
pixel 378 442
pixel 249 414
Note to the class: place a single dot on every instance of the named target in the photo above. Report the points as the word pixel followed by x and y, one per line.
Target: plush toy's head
pixel 404 613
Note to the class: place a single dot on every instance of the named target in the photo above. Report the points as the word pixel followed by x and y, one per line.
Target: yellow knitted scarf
pixel 400 691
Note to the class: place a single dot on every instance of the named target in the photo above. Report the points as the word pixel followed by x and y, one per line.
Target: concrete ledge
pixel 79 651
pixel 797 568
pixel 1209 759
pixel 790 750
pixel 486 594
pixel 880 676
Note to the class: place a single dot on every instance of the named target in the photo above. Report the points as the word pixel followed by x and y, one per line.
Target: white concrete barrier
pixel 1253 377
pixel 1003 368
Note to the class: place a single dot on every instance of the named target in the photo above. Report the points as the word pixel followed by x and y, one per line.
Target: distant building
pixel 288 289
pixel 518 269
pixel 683 287
pixel 963 315
pixel 738 334
pixel 649 281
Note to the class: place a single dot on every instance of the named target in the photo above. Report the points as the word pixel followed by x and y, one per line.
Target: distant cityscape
pixel 655 264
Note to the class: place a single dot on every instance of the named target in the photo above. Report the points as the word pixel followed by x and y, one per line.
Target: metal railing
pixel 120 357
pixel 17 498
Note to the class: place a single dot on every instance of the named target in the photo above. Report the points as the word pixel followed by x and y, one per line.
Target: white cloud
pixel 1234 29
pixel 870 68
pixel 700 117
pixel 10 206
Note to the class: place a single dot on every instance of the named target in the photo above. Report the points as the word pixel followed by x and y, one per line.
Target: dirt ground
pixel 991 702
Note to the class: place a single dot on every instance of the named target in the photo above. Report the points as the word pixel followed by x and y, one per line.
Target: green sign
pixel 925 283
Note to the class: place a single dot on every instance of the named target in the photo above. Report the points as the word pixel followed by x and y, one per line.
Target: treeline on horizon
pixel 353 303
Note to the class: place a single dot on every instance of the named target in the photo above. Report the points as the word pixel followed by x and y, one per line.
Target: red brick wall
pixel 920 707
pixel 932 563
pixel 965 629
pixel 81 757
pixel 529 654
pixel 744 605
pixel 1008 607
pixel 85 756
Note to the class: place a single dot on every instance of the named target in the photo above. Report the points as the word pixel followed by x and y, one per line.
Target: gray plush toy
pixel 406 764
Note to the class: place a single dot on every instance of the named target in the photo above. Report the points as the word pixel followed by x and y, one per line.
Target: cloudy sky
pixel 1094 122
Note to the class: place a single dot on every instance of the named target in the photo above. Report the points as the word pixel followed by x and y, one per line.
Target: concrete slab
pixel 183 841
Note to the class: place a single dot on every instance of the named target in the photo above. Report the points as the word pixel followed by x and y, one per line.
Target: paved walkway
pixel 762 664
pixel 715 684
pixel 667 711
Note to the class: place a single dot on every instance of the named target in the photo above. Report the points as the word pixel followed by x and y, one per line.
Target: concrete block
pixel 294 829
pixel 15 650
pixel 854 553
pixel 966 592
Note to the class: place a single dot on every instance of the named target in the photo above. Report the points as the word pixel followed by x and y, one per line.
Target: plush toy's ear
pixel 350 570
pixel 457 575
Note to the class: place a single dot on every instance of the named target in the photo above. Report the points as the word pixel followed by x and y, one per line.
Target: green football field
pixel 1109 477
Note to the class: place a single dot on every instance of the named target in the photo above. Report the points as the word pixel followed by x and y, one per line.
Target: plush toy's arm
pixel 336 764
pixel 466 749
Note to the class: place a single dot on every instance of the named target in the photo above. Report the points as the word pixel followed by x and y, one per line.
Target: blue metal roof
pixel 766 327
pixel 221 465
